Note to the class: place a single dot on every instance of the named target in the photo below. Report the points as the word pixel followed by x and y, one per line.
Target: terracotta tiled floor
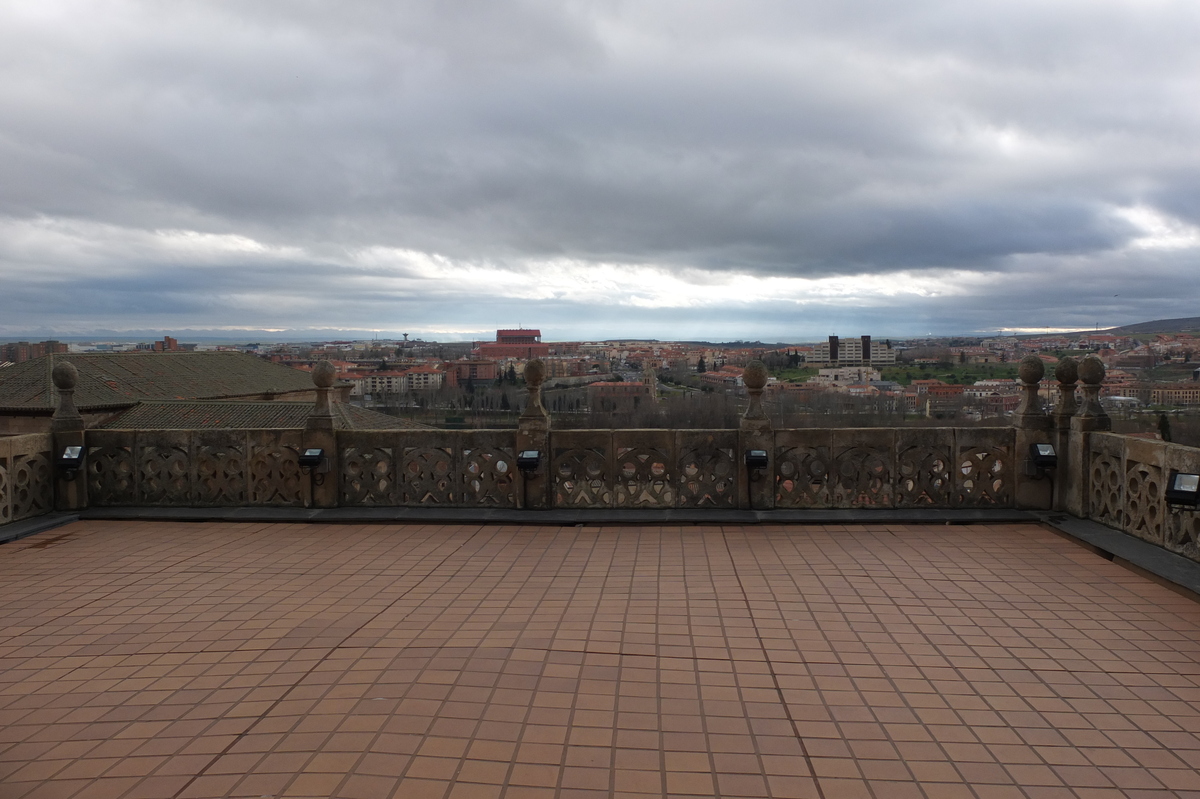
pixel 158 660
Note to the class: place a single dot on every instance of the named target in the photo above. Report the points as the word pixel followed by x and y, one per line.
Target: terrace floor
pixel 153 659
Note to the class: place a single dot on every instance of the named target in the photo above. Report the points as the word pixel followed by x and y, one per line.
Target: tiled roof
pixel 357 418
pixel 116 379
pixel 234 415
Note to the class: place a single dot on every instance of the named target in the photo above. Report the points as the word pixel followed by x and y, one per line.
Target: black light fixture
pixel 1043 456
pixel 70 460
pixel 528 460
pixel 1183 489
pixel 312 458
pixel 756 459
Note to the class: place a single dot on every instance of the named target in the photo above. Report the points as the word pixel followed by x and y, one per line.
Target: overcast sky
pixel 778 170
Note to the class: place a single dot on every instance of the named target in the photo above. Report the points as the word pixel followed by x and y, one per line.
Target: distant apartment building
pixel 519 343
pixel 424 378
pixel 574 366
pixel 1136 359
pixel 458 373
pixel 375 383
pixel 852 352
pixel 418 378
pixel 943 398
pixel 728 378
pixel 1175 394
pixel 617 396
pixel 22 351
pixel 845 375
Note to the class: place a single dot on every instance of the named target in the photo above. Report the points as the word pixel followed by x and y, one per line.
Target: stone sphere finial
pixel 65 375
pixel 535 373
pixel 1031 369
pixel 754 376
pixel 1067 371
pixel 1091 370
pixel 323 374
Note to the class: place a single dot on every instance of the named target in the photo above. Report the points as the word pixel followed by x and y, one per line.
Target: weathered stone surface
pixel 582 465
pixel 646 469
pixel 64 375
pixel 1116 480
pixel 1029 414
pixel 1091 415
pixel 26 476
pixel 1031 369
pixel 754 378
pixel 535 418
pixel 708 468
pixel 323 374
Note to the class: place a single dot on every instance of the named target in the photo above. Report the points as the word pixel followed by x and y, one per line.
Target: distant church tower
pixel 650 378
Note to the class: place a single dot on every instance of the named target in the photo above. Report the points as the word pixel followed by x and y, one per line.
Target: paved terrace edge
pixel 1154 562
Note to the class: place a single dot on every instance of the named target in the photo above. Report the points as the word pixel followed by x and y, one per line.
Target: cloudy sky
pixel 773 169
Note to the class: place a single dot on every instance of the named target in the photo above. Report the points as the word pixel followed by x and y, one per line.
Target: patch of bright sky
pixel 1028 331
pixel 1159 231
pixel 648 286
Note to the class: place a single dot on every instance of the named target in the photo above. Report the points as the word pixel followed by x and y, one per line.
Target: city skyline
pixel 762 170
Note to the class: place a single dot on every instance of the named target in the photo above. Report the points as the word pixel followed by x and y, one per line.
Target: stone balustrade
pixel 1114 479
pixel 1125 479
pixel 26 479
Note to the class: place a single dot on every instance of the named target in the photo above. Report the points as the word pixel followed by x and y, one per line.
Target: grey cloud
pixel 772 138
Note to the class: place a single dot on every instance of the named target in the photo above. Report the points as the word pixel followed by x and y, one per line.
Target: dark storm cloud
pixel 762 138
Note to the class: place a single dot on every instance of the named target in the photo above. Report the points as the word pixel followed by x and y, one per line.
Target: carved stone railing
pixel 468 468
pixel 1116 480
pixel 1125 480
pixel 26 477
pixel 811 468
pixel 196 468
pixel 830 468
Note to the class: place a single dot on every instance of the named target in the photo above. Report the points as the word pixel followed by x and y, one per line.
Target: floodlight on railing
pixel 1183 489
pixel 70 460
pixel 528 460
pixel 312 458
pixel 1043 456
pixel 756 459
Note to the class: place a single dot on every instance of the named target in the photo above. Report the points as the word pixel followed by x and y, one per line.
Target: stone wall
pixel 815 468
pixel 26 477
pixel 1123 485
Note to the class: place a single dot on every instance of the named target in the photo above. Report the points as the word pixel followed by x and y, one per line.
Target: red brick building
pixel 477 371
pixel 519 343
pixel 22 351
pixel 617 396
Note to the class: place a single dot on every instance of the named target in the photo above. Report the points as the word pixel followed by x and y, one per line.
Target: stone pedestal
pixel 756 488
pixel 70 491
pixel 1035 492
pixel 320 433
pixel 1091 415
pixel 535 488
pixel 1067 375
pixel 1034 426
pixel 1030 415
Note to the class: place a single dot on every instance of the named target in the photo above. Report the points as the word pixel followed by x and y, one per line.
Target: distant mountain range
pixel 1189 324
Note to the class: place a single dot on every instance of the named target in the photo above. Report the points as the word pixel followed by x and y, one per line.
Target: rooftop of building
pixel 154 659
pixel 109 380
pixel 240 415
